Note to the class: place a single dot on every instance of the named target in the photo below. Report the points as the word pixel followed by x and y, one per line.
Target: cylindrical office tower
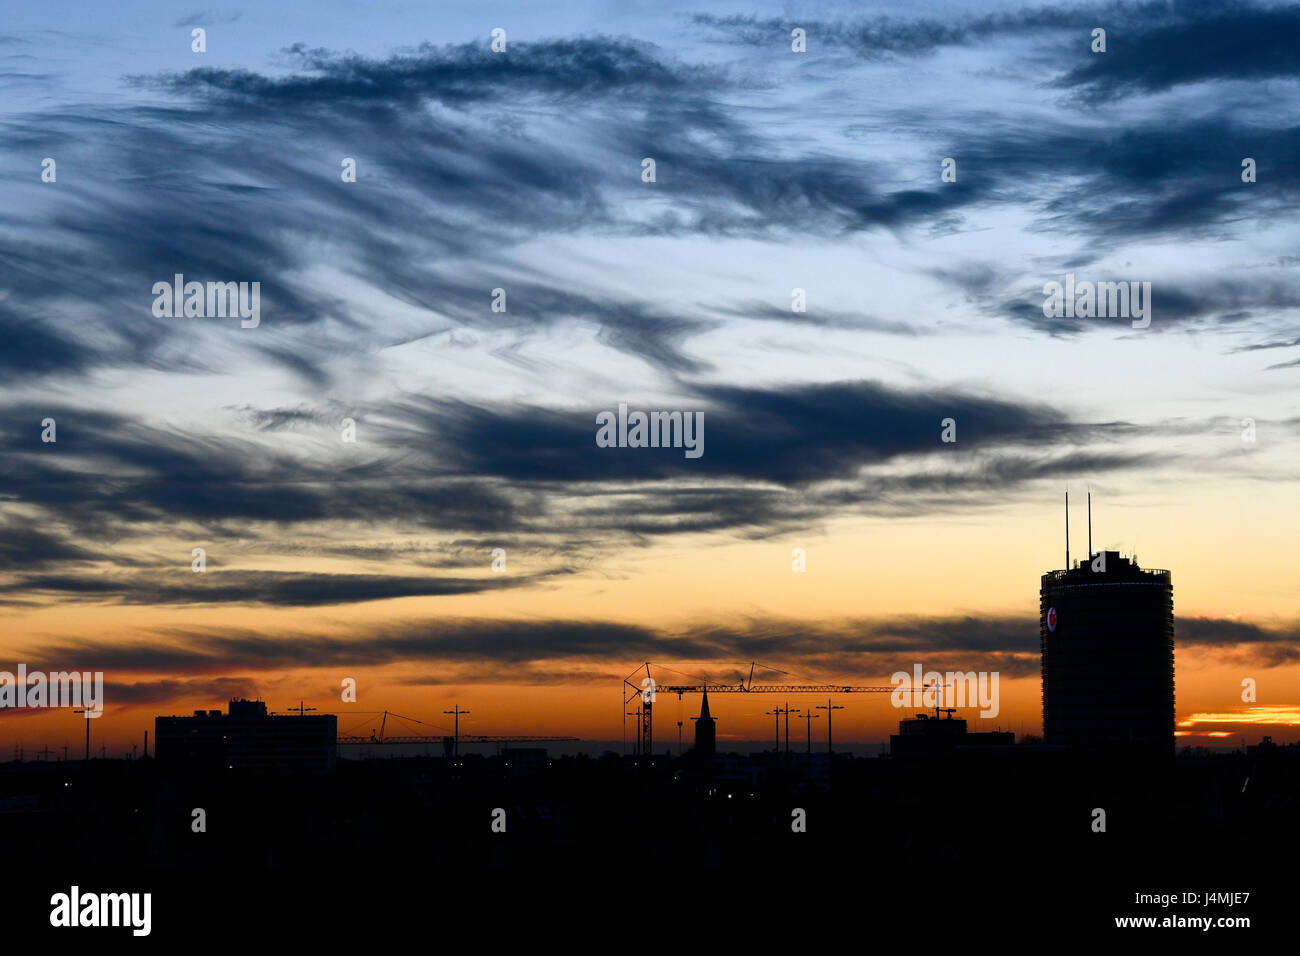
pixel 1106 629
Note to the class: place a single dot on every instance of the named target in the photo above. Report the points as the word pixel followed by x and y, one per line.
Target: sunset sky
pixel 475 429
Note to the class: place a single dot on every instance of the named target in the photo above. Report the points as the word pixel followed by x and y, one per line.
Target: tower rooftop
pixel 1112 566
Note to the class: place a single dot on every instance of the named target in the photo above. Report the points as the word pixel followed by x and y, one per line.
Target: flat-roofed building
pixel 248 738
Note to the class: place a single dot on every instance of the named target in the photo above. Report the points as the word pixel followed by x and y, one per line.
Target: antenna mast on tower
pixel 1089 524
pixel 1067 529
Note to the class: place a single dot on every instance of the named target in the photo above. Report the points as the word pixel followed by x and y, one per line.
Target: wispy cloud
pixel 522 651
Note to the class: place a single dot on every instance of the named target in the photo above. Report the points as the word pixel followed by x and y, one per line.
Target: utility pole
pixel 302 712
pixel 830 709
pixel 809 717
pixel 456 746
pixel 776 713
pixel 87 712
pixel 786 712
pixel 679 738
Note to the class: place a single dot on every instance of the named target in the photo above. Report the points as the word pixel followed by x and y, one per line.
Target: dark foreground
pixel 982 844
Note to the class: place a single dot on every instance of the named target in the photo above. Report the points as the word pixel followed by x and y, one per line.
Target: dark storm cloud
pixel 26 545
pixel 167 691
pixel 883 37
pixel 432 188
pixel 452 174
pixel 33 348
pixel 703 149
pixel 861 650
pixel 1118 190
pixel 1182 178
pixel 207 652
pixel 1199 42
pixel 1175 302
pixel 442 183
pixel 790 436
pixel 1221 631
pixel 1150 46
pixel 112 248
pixel 267 588
pixel 816 432
pixel 163 691
pixel 1243 642
pixel 456 75
pixel 110 465
pixel 1113 183
pixel 109 474
pixel 774 459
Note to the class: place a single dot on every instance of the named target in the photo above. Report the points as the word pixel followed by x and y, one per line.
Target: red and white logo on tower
pixel 1051 619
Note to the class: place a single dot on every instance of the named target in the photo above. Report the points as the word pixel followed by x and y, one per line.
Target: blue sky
pixel 522 170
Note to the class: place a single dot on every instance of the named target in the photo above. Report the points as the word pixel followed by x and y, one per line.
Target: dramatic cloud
pixel 488 650
pixel 1197 42
pixel 279 589
pixel 773 458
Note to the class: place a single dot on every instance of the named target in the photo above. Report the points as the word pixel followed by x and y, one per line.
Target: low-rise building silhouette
pixel 248 739
pixel 928 736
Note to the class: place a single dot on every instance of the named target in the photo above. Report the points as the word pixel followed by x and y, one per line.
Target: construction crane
pixel 747 686
pixel 382 737
pixel 378 737
pixel 646 689
pixel 465 738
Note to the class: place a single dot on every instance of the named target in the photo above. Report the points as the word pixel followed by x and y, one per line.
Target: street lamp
pixel 456 746
pixel 87 711
pixel 830 709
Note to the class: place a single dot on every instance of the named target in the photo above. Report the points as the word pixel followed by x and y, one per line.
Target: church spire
pixel 705 732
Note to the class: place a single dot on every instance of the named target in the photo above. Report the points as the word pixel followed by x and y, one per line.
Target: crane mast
pixel 646 689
